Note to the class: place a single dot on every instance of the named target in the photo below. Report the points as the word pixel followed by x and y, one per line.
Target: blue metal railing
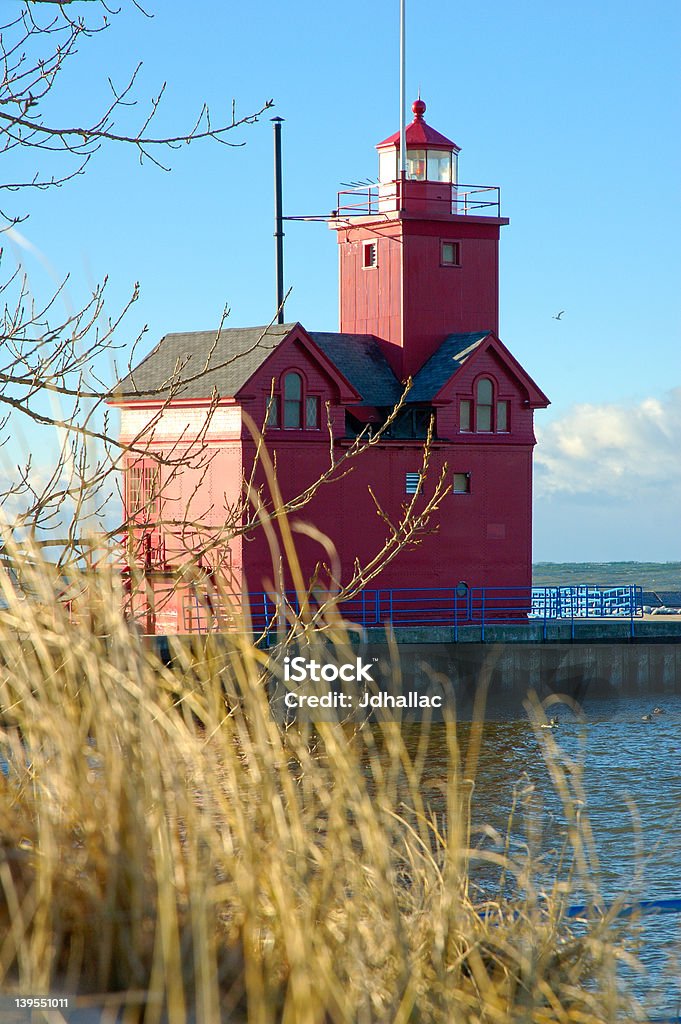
pixel 671 905
pixel 468 606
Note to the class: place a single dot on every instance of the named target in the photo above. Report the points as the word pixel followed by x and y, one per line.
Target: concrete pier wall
pixel 509 671
pixel 425 664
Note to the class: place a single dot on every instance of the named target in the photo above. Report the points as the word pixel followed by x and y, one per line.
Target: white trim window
pixel 370 254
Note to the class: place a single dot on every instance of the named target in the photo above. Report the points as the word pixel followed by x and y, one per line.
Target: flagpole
pixel 403 102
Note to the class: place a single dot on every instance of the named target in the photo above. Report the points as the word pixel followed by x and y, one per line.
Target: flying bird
pixel 557 316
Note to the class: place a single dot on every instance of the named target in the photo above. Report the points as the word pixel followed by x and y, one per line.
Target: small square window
pixel 450 253
pixel 312 412
pixel 412 483
pixel 369 255
pixel 462 483
pixel 465 415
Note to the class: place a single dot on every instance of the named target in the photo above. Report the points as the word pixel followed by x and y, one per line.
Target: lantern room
pixel 432 161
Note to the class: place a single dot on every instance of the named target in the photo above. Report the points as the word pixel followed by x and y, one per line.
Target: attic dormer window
pixel 312 404
pixel 272 411
pixel 484 405
pixel 292 406
pixel 485 413
pixel 293 401
pixel 465 406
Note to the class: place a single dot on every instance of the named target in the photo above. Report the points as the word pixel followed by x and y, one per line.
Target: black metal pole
pixel 278 220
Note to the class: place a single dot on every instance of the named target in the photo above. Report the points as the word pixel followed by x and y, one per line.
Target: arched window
pixel 485 412
pixel 292 406
pixel 484 403
pixel 293 401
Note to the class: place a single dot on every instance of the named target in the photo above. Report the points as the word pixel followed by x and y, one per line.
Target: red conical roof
pixel 419 134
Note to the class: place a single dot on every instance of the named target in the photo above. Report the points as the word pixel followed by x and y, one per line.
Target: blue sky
pixel 573 109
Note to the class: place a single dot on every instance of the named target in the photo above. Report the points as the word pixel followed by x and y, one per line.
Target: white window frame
pixel 370 245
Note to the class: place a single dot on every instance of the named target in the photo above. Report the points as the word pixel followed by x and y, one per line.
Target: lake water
pixel 631 777
pixel 649 575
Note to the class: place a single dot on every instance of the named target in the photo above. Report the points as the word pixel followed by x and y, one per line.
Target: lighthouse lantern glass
pixel 439 165
pixel 416 164
pixel 429 165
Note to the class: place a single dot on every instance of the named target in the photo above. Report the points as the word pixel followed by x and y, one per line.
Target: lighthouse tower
pixel 418 299
pixel 419 257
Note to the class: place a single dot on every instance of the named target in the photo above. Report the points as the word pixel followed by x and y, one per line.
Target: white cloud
pixel 623 451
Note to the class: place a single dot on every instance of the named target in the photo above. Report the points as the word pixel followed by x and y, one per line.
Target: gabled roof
pixel 456 350
pixel 194 364
pixel 361 361
pixel 434 374
pixel 535 396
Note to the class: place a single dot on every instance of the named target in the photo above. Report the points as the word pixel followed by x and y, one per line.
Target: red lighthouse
pixel 419 300
pixel 423 261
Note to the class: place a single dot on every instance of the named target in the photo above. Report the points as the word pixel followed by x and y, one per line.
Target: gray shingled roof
pixel 434 374
pixel 361 361
pixel 204 361
pixel 196 363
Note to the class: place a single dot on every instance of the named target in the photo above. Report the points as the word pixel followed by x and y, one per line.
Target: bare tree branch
pixel 34 52
pixel 54 366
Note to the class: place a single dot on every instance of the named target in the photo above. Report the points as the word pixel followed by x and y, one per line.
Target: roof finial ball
pixel 419 108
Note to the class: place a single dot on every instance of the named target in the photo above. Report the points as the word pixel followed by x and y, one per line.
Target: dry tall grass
pixel 191 855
